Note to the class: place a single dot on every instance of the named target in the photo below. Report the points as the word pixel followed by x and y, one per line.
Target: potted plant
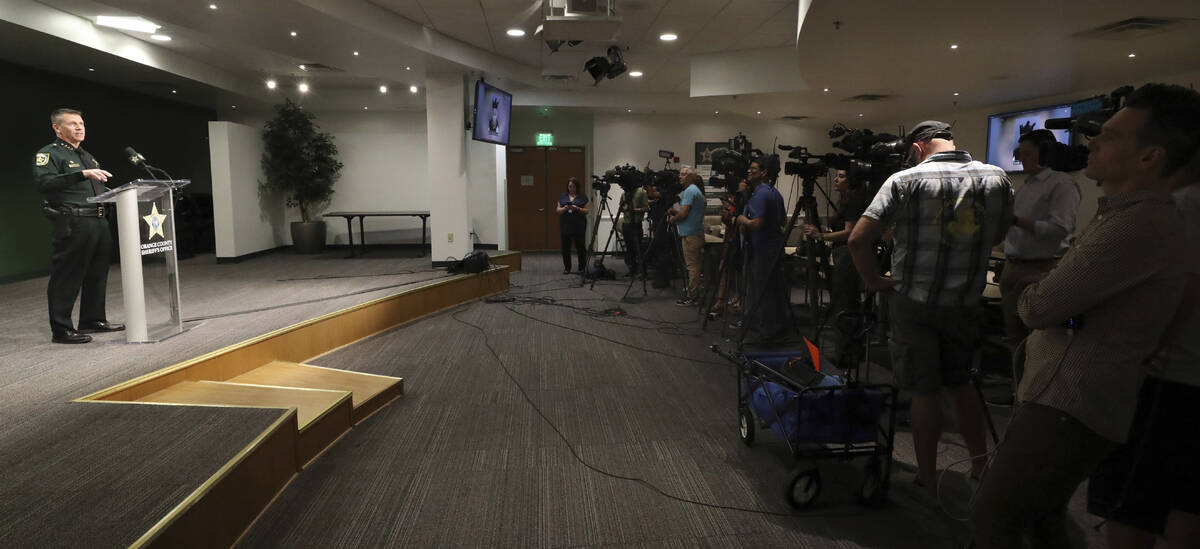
pixel 300 161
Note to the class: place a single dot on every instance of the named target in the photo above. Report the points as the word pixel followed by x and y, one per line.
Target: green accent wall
pixel 173 135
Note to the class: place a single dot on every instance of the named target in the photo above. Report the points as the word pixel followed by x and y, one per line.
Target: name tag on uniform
pixel 72 164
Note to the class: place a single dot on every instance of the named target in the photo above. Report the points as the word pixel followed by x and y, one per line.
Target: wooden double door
pixel 535 179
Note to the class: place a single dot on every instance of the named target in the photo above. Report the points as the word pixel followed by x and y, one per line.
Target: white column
pixel 501 197
pixel 129 238
pixel 450 219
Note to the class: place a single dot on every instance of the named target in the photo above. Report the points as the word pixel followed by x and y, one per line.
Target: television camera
pixel 1069 158
pixel 730 164
pixel 627 177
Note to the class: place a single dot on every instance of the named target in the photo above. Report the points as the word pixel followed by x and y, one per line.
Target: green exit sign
pixel 545 139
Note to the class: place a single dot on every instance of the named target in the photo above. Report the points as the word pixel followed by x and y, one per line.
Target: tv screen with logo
pixel 492 108
pixel 1005 129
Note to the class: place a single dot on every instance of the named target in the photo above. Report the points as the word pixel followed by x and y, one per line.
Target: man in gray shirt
pixel 1044 210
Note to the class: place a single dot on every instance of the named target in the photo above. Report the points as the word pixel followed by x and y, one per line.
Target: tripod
pixel 727 279
pixel 590 249
pixel 659 226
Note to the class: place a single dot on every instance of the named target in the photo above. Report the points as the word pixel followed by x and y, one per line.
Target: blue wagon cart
pixel 819 416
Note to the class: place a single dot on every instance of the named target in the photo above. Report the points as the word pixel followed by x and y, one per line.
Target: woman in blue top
pixel 572 221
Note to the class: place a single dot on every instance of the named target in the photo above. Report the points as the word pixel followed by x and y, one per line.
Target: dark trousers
pixel 1044 456
pixel 767 299
pixel 632 234
pixel 1013 280
pixel 79 261
pixel 845 295
pixel 580 248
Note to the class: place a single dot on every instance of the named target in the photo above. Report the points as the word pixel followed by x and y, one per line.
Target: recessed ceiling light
pixel 955 93
pixel 668 37
pixel 382 89
pixel 1133 55
pixel 356 53
pixel 174 91
pixel 212 6
pixel 364 108
pixel 628 110
pixel 636 74
pixel 160 37
pixel 303 87
pixel 408 68
pixel 303 67
pixel 271 84
pixel 412 89
pixel 91 69
pixel 716 112
pixel 515 32
pixel 860 115
pixel 827 89
pixel 293 33
pixel 136 24
pixel 757 112
pixel 954 46
pixel 233 106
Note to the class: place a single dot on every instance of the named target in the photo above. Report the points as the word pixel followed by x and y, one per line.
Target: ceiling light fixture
pixel 213 7
pixel 271 84
pixel 412 89
pixel 1133 55
pixel 668 37
pixel 160 37
pixel 757 112
pixel 303 87
pixel 90 69
pixel 636 74
pixel 382 89
pixel 860 115
pixel 293 33
pixel 716 112
pixel 956 93
pixel 827 89
pixel 408 68
pixel 954 46
pixel 303 67
pixel 628 110
pixel 356 53
pixel 515 33
pixel 233 106
pixel 136 24
pixel 174 91
pixel 364 108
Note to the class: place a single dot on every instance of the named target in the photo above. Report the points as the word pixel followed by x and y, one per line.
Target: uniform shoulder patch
pixel 42 159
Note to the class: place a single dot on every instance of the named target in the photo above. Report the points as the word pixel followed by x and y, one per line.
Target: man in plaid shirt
pixel 948 212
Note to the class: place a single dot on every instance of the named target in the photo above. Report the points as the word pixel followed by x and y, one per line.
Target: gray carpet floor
pixel 99 475
pixel 583 430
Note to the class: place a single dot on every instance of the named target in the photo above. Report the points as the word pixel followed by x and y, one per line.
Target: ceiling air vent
pixel 796 117
pixel 1132 28
pixel 869 97
pixel 558 77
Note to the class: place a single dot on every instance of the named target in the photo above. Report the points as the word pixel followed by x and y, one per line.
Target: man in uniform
pixel 67 175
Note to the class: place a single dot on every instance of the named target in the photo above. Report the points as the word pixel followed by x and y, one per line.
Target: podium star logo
pixel 155 221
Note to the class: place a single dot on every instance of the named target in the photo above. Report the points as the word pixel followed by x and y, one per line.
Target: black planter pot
pixel 308 237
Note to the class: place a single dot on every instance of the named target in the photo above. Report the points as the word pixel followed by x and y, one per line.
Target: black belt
pixel 83 211
pixel 1021 260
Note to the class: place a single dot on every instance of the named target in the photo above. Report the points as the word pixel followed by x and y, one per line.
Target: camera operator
pixel 636 205
pixel 688 218
pixel 948 211
pixel 767 301
pixel 1157 463
pixel 1096 317
pixel 1044 209
pixel 845 291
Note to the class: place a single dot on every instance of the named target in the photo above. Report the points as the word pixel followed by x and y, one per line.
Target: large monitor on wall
pixel 1005 129
pixel 492 108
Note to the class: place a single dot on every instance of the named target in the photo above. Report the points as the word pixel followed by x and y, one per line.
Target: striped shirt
pixel 948 212
pixel 1122 280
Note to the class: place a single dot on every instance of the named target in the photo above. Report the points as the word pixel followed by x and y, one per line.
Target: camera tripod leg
pixel 596 227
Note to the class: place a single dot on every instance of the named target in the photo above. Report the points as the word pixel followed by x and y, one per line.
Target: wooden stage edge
pixel 224 507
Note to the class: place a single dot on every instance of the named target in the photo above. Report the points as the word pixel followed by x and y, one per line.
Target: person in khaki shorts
pixel 688 217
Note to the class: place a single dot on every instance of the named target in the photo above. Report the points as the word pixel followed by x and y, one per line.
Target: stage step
pixel 321 415
pixel 369 392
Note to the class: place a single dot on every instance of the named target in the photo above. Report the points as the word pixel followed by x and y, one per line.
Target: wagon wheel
pixel 746 425
pixel 804 489
pixel 872 492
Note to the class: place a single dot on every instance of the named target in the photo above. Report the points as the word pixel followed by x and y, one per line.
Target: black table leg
pixel 362 235
pixel 423 220
pixel 350 234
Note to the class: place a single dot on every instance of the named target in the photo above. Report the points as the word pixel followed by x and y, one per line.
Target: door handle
pixel 541 209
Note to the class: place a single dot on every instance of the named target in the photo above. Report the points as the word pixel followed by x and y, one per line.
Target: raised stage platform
pixel 184 442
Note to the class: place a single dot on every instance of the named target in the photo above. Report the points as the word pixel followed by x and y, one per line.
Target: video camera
pixel 873 156
pixel 1095 111
pixel 627 177
pixel 730 164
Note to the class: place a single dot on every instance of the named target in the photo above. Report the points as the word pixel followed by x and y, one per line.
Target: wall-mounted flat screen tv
pixel 1006 128
pixel 492 109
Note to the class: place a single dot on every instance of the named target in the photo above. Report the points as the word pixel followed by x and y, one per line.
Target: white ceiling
pixel 1009 50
